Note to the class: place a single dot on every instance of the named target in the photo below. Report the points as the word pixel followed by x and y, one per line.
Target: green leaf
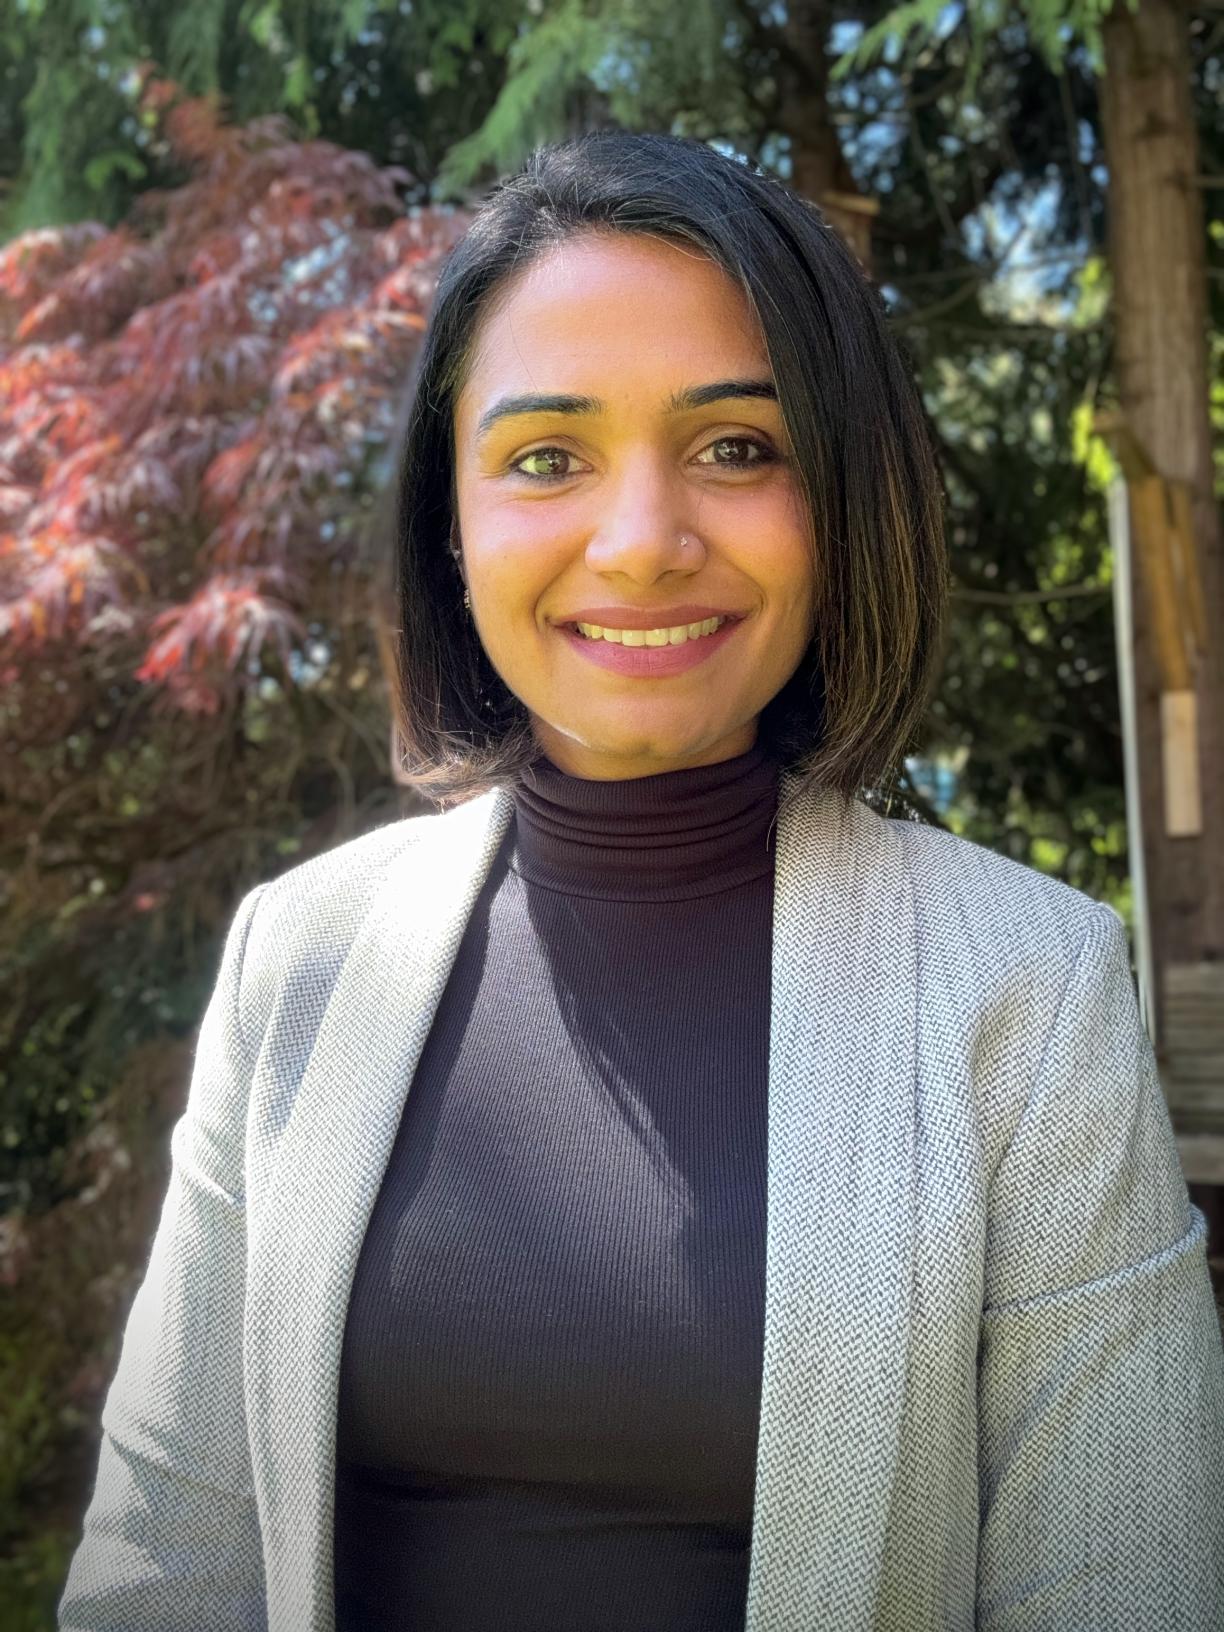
pixel 455 35
pixel 1090 450
pixel 1053 26
pixel 264 25
pixel 916 15
pixel 547 63
pixel 297 83
pixel 350 20
pixel 99 170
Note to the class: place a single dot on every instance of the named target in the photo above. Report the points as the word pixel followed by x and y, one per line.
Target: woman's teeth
pixel 675 636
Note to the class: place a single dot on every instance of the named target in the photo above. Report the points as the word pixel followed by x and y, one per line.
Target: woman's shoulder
pixel 354 868
pixel 310 914
pixel 993 902
pixel 1001 950
pixel 959 887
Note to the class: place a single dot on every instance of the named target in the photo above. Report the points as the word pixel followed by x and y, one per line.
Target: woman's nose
pixel 639 531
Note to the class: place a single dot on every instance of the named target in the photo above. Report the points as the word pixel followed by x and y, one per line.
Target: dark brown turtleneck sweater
pixel 550 1381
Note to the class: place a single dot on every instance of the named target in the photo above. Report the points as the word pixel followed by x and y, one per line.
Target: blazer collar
pixel 840 1205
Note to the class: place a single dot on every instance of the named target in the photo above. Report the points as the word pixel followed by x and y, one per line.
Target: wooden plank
pixel 1192 1122
pixel 1192 1055
pixel 1196 1104
pixel 1202 1157
pixel 1179 744
pixel 1193 1075
pixel 1206 978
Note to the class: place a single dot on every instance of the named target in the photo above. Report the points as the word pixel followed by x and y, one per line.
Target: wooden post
pixel 1162 528
pixel 1187 1023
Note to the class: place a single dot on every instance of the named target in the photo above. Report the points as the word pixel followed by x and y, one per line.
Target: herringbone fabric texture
pixel 993 1382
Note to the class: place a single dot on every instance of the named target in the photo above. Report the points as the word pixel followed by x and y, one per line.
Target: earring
pixel 467 600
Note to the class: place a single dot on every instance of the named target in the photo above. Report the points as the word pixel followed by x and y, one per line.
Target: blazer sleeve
pixel 1100 1364
pixel 171 1536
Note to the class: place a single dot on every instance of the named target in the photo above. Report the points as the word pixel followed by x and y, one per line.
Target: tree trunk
pixel 1157 249
pixel 818 166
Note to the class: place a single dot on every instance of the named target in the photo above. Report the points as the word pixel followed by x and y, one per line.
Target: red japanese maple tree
pixel 195 419
pixel 195 413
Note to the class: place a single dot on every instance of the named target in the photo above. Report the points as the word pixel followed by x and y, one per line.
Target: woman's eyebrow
pixel 680 402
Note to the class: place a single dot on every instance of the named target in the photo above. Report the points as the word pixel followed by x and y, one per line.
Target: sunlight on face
pixel 585 448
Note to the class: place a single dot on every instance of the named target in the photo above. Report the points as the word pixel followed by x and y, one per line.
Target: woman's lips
pixel 650 662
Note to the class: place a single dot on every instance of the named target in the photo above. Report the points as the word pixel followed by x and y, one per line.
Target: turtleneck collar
pixel 669 837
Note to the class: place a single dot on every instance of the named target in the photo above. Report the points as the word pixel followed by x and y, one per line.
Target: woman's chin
pixel 615 748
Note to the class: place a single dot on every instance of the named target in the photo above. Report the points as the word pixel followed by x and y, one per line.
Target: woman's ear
pixel 456 550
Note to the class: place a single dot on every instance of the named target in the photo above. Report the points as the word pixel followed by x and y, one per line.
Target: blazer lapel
pixel 840 1206
pixel 842 1111
pixel 326 1178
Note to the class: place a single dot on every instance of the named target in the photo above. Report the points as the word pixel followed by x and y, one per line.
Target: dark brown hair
pixel 861 439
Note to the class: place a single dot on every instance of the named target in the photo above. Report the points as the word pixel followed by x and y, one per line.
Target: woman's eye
pixel 727 453
pixel 736 452
pixel 549 463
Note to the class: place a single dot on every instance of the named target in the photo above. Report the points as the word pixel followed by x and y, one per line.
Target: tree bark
pixel 1157 250
pixel 818 166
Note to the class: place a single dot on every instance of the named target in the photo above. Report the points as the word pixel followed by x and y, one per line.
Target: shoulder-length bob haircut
pixel 861 439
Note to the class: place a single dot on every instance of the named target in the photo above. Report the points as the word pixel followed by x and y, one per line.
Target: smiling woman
pixel 661 1193
pixel 658 389
pixel 670 491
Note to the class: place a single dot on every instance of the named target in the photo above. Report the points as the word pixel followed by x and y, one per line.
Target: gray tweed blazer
pixel 993 1377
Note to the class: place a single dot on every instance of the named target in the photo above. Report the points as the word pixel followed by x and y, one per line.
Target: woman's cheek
pixel 529 522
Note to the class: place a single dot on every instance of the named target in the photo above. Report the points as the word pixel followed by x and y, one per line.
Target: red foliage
pixel 193 410
pixel 191 404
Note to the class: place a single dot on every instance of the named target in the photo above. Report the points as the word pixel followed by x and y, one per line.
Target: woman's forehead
pixel 618 310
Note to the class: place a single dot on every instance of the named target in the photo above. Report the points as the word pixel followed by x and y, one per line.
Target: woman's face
pixel 620 397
